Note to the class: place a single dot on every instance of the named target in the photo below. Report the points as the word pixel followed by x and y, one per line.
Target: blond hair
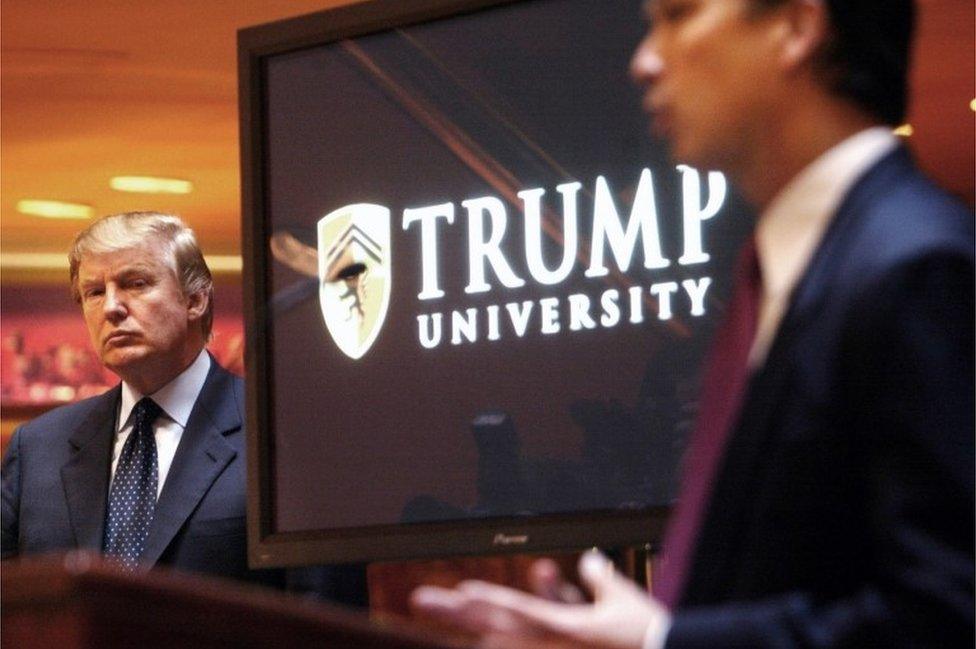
pixel 131 229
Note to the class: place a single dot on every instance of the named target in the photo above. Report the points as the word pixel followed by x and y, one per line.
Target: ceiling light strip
pixel 51 209
pixel 150 185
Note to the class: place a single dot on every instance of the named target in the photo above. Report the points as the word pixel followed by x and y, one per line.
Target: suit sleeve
pixel 10 507
pixel 909 402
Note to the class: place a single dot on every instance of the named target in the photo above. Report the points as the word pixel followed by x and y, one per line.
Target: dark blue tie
pixel 132 498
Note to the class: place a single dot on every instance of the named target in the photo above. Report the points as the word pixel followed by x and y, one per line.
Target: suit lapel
pixel 201 456
pixel 85 475
pixel 759 416
pixel 716 553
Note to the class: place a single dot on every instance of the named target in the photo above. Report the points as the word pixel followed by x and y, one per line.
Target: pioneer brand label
pixel 354 264
pixel 509 539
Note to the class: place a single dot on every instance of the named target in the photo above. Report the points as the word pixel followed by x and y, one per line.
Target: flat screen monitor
pixel 478 290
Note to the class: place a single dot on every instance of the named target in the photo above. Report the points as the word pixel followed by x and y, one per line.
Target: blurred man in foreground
pixel 828 493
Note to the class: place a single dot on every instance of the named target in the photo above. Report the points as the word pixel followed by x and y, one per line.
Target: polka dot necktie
pixel 132 498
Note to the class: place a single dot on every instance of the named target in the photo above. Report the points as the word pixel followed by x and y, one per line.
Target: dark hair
pixel 866 56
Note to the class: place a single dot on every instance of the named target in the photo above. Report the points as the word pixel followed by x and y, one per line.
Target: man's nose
pixel 114 304
pixel 646 65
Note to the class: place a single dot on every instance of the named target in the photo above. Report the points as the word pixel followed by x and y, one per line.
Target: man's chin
pixel 123 360
pixel 702 158
pixel 684 151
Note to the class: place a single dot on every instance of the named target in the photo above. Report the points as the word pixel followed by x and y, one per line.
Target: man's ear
pixel 807 27
pixel 196 305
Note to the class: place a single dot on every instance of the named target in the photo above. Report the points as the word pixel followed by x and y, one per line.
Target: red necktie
pixel 723 390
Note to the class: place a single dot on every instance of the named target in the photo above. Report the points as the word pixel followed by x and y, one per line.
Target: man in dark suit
pixel 827 497
pixel 153 471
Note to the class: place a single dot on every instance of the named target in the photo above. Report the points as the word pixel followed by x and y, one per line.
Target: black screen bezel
pixel 268 547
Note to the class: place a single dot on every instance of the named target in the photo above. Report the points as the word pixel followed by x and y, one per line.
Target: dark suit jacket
pixel 56 477
pixel 842 515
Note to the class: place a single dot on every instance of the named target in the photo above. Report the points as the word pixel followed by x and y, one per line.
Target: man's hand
pixel 620 616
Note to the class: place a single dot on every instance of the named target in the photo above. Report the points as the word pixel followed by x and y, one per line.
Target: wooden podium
pixel 75 601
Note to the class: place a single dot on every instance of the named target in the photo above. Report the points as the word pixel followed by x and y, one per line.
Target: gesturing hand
pixel 620 616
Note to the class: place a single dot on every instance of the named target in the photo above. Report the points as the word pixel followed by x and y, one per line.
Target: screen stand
pixel 636 562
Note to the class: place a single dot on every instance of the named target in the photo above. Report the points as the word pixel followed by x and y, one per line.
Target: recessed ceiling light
pixel 150 185
pixel 55 209
pixel 905 130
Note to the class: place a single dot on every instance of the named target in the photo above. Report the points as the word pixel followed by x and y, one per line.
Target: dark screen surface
pixel 424 365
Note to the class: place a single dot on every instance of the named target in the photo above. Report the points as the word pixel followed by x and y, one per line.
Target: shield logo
pixel 354 274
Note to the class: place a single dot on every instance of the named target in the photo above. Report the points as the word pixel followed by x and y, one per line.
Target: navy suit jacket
pixel 842 514
pixel 56 477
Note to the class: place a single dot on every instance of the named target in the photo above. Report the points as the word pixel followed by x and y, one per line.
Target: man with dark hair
pixel 151 472
pixel 827 497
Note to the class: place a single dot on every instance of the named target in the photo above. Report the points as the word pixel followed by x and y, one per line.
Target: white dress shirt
pixel 176 399
pixel 787 234
pixel 792 225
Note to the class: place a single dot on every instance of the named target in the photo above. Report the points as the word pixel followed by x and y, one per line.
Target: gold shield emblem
pixel 354 274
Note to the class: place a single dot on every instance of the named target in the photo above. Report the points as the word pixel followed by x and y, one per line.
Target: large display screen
pixel 479 291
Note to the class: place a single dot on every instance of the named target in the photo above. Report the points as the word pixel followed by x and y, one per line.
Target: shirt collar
pixel 792 225
pixel 176 398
